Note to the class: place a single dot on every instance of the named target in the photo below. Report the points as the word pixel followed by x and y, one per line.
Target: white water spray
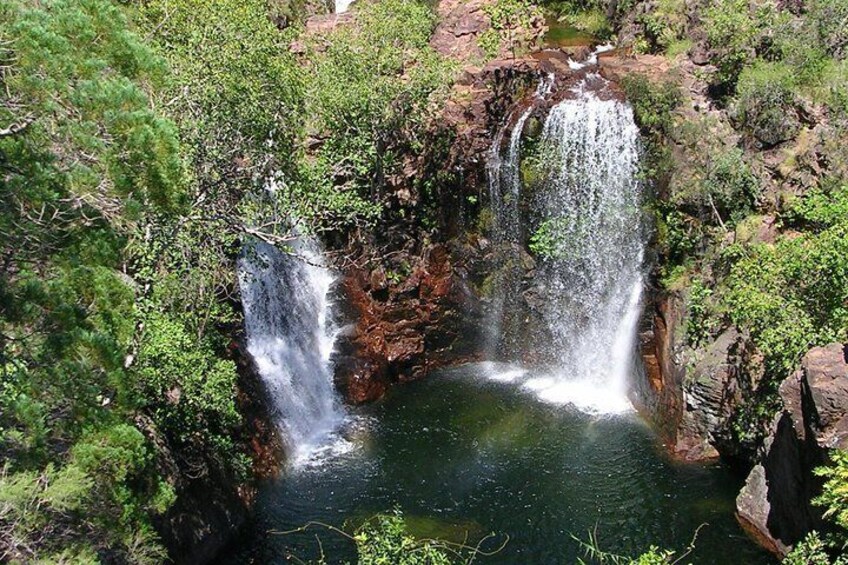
pixel 590 282
pixel 290 337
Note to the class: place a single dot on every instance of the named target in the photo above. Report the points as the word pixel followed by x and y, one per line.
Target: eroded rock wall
pixel 775 504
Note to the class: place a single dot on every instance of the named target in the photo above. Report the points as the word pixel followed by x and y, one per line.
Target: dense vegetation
pixel 136 144
pixel 143 142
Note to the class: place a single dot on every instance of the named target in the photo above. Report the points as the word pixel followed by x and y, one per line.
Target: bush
pixel 665 25
pixel 384 539
pixel 374 83
pixel 729 187
pixel 792 296
pixel 829 20
pixel 830 549
pixel 734 33
pixel 653 103
pixel 834 496
pixel 765 105
pixel 188 389
pixel 812 550
pixel 698 321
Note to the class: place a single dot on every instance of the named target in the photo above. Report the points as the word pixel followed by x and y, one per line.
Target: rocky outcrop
pixel 659 395
pixel 460 25
pixel 774 506
pixel 693 394
pixel 406 322
pixel 462 22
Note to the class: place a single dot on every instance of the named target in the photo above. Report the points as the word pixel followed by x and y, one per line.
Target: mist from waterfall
pixel 588 281
pixel 290 336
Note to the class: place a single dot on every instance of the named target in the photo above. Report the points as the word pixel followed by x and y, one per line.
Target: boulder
pixel 775 504
pixel 711 392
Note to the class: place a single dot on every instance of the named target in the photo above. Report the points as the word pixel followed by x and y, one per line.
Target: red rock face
pixel 405 328
pixel 461 22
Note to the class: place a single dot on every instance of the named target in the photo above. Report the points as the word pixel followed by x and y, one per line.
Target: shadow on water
pixel 463 456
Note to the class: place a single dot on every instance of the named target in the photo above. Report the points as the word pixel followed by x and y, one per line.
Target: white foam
pixel 592 59
pixel 349 439
pixel 508 376
pixel 585 395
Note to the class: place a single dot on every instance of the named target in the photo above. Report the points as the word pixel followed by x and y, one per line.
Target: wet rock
pixel 429 319
pixel 692 395
pixel 660 395
pixel 774 506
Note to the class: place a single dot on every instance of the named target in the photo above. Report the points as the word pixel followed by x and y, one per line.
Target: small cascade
pixel 504 176
pixel 290 335
pixel 588 282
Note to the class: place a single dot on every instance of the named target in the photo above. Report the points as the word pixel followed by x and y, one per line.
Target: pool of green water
pixel 462 456
pixel 561 34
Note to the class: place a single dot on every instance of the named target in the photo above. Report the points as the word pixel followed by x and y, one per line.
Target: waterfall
pixel 290 335
pixel 342 6
pixel 588 281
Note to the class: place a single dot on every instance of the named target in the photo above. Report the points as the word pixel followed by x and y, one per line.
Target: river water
pixel 462 455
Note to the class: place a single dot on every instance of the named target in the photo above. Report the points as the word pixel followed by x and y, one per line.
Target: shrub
pixel 822 208
pixel 384 539
pixel 812 550
pixel 729 186
pixel 734 32
pixel 698 321
pixel 765 105
pixel 188 389
pixel 653 102
pixel 829 20
pixel 830 549
pixel 834 496
pixel 792 296
pixel 374 83
pixel 665 25
pixel 510 21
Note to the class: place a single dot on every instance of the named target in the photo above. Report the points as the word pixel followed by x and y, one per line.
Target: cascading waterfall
pixel 290 335
pixel 589 281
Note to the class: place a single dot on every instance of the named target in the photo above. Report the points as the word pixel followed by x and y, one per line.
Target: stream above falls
pixel 462 454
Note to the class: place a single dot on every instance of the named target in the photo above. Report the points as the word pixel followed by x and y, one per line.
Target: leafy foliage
pixel 373 83
pixel 384 539
pixel 85 161
pixel 834 497
pixel 653 103
pixel 734 30
pixel 829 549
pixel 510 21
pixel 812 550
pixel 765 104
pixel 666 24
pixel 792 295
